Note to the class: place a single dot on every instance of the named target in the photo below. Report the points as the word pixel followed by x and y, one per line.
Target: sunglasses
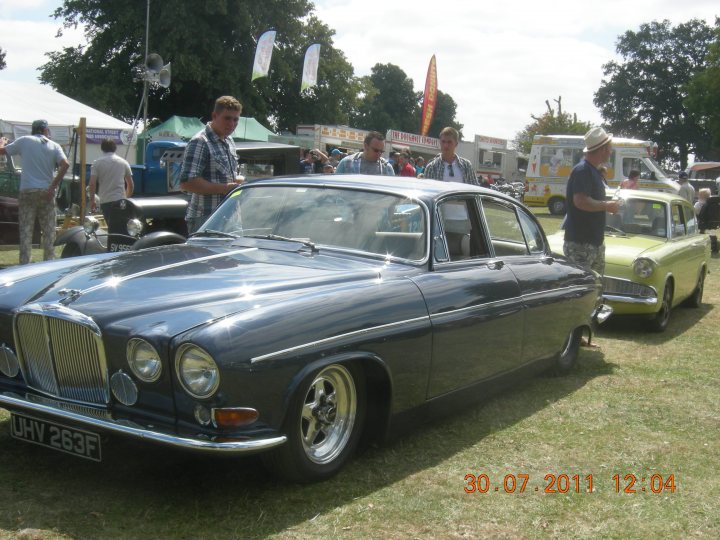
pixel 451 172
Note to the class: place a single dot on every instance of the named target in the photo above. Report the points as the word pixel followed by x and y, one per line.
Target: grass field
pixel 643 404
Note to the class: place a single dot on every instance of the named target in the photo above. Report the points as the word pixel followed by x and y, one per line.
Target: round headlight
pixel 90 225
pixel 197 371
pixel 643 267
pixel 144 360
pixel 134 227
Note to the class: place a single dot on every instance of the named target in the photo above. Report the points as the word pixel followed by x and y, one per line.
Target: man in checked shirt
pixel 210 165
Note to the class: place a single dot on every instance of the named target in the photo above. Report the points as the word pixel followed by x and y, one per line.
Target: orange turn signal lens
pixel 234 417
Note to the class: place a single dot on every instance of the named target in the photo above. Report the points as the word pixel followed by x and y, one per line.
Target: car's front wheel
pixel 660 320
pixel 323 425
pixel 695 300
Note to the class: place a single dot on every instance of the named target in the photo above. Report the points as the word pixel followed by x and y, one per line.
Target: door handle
pixel 495 265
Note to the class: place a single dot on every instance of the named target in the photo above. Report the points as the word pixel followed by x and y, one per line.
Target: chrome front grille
pixel 61 353
pixel 624 287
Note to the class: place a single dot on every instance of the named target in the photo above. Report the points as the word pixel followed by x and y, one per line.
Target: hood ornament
pixel 69 296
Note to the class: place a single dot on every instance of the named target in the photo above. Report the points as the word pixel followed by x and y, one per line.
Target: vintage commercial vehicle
pixel 309 315
pixel 655 256
pixel 552 158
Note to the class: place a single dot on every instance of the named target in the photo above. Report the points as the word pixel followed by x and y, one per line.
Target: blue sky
pixel 500 61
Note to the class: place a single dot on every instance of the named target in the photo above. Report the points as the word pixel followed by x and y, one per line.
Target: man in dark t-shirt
pixel 586 204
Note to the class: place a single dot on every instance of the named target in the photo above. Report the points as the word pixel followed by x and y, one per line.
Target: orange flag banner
pixel 430 98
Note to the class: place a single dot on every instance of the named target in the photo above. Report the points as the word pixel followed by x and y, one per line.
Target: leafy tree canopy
pixel 552 122
pixel 211 45
pixel 704 101
pixel 444 116
pixel 3 65
pixel 643 96
pixel 389 101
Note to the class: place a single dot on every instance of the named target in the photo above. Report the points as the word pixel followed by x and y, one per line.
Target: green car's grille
pixel 625 287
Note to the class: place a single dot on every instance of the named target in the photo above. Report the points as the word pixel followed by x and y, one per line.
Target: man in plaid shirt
pixel 447 165
pixel 210 165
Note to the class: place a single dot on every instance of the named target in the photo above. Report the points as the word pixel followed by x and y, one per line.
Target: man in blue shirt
pixel 38 185
pixel 586 204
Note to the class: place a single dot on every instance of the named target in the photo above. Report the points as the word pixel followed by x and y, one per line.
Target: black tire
pixel 323 425
pixel 695 299
pixel 557 206
pixel 660 320
pixel 567 357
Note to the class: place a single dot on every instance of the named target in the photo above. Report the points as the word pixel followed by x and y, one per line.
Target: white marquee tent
pixel 22 102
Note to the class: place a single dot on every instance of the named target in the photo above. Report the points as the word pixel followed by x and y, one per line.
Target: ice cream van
pixel 552 157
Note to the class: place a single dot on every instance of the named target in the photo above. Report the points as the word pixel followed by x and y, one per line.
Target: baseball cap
pixel 683 175
pixel 335 152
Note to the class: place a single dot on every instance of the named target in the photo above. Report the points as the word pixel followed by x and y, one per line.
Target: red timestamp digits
pixel 656 483
pixel 518 483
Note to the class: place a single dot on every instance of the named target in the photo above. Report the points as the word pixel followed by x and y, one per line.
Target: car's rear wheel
pixel 660 320
pixel 323 425
pixel 567 357
pixel 695 299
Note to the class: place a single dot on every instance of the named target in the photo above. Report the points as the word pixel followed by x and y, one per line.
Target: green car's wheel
pixel 695 300
pixel 660 321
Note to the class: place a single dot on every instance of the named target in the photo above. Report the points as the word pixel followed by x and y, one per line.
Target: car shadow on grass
pixel 148 491
pixel 637 329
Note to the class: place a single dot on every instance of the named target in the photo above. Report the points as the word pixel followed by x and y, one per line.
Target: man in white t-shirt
pixel 111 178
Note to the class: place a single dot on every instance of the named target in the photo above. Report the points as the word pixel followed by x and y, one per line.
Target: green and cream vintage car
pixel 655 256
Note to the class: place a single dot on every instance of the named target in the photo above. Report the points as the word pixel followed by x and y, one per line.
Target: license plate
pixel 77 442
pixel 120 247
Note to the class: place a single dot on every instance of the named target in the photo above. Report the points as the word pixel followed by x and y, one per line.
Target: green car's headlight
pixel 144 360
pixel 643 267
pixel 197 371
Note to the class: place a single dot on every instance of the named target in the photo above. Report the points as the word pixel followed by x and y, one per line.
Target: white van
pixel 552 157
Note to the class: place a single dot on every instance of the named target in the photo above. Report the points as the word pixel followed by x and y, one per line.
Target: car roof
pixel 660 196
pixel 403 186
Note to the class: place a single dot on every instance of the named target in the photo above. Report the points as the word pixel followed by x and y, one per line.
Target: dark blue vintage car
pixel 308 316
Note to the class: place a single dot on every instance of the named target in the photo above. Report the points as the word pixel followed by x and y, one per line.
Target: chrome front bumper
pixel 16 402
pixel 602 313
pixel 631 299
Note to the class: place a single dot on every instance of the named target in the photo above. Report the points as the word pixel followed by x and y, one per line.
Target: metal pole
pixel 145 83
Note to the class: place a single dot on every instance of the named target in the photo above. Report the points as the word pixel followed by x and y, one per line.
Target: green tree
pixel 643 96
pixel 211 45
pixel 388 101
pixel 552 122
pixel 704 101
pixel 3 65
pixel 445 113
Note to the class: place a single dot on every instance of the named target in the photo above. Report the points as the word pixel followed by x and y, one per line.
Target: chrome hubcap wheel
pixel 328 414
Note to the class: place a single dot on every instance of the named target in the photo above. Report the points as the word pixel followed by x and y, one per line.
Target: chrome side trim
pixel 561 290
pixel 130 429
pixel 339 337
pixel 630 299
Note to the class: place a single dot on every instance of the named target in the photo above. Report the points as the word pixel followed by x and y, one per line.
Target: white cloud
pixel 499 61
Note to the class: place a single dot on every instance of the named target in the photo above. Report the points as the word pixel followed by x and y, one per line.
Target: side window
pixel 533 234
pixel 678 226
pixel 459 236
pixel 506 233
pixel 690 219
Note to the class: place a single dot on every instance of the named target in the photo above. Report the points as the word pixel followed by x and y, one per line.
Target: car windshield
pixel 639 216
pixel 378 223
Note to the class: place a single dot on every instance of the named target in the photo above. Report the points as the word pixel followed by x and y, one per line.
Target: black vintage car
pixel 307 316
pixel 157 217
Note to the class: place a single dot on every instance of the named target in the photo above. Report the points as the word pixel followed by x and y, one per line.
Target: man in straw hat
pixel 586 204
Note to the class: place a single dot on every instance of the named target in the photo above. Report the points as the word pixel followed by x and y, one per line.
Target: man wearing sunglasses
pixel 370 160
pixel 447 165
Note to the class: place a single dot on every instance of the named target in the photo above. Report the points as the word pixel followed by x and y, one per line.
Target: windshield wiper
pixel 210 232
pixel 307 243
